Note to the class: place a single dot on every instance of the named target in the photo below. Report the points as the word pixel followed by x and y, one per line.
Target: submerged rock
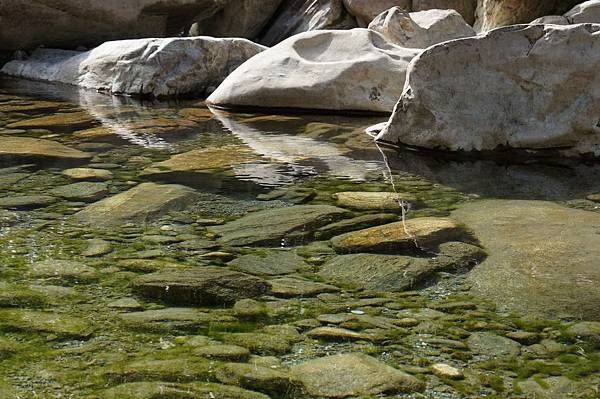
pixel 254 377
pixel 154 390
pixel 200 286
pixel 156 67
pixel 419 233
pixel 283 226
pixel 368 201
pixel 588 331
pixel 83 191
pixel 446 106
pixel 60 325
pixel 357 223
pixel 351 375
pixel 290 287
pixel 140 204
pixel 173 319
pixel 492 345
pixel 89 174
pixel 64 271
pixel 27 202
pixel 61 121
pixel 355 70
pixel 22 149
pixel 542 257
pixel 421 29
pixel 273 264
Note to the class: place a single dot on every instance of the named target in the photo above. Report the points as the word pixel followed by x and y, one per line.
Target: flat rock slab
pixel 492 345
pixel 20 149
pixel 200 286
pixel 283 226
pixel 82 191
pixel 152 390
pixel 89 174
pixel 357 223
pixel 418 233
pixel 289 287
pixel 44 322
pixel 60 122
pixel 65 271
pixel 273 264
pixel 351 375
pixel 140 204
pixel 173 319
pixel 373 201
pixel 543 257
pixel 26 202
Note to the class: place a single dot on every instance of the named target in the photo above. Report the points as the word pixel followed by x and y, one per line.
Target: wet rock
pixel 60 325
pixel 585 331
pixel 27 202
pixel 169 370
pixel 96 247
pixel 173 319
pixel 493 346
pixel 421 29
pixel 259 343
pixel 63 271
pixel 586 12
pixel 426 232
pixel 446 371
pixel 337 334
pixel 479 121
pixel 357 223
pixel 254 377
pixel 549 388
pixel 366 10
pixel 249 309
pixel 287 226
pixel 273 264
pixel 83 191
pixel 355 70
pixel 352 374
pixel 156 67
pixel 153 390
pixel 63 121
pixel 21 149
pixel 524 337
pixel 232 353
pixel 368 201
pixel 89 174
pixel 297 16
pixel 140 204
pixel 37 296
pixel 535 256
pixel 289 287
pixel 125 304
pixel 200 286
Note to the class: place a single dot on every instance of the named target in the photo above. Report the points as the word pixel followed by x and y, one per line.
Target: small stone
pixel 367 201
pixel 249 309
pixel 96 247
pixel 288 287
pixel 406 322
pixel 524 337
pixel 89 174
pixel 259 343
pixel 232 353
pixel 446 371
pixel 125 304
pixel 493 346
pixel 595 197
pixel 273 264
pixel 82 191
pixel 254 377
pixel 588 331
pixel 337 334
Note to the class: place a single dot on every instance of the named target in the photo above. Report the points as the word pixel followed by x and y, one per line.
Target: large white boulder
pixel 524 86
pixel 366 10
pixel 156 67
pixel 297 16
pixel 587 12
pixel 421 29
pixel 353 70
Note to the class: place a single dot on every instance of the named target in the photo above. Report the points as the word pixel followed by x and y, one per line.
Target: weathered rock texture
pixel 491 14
pixel 157 67
pixel 296 16
pixel 588 12
pixel 533 87
pixel 421 29
pixel 542 257
pixel 27 24
pixel 466 8
pixel 366 10
pixel 355 70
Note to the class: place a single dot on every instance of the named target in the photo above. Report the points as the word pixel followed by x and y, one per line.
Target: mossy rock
pixel 168 370
pixel 254 377
pixel 262 344
pixel 44 322
pixel 159 390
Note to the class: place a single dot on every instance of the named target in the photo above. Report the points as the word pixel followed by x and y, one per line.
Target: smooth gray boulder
pixel 297 16
pixel 366 10
pixel 466 8
pixel 154 67
pixel 542 257
pixel 534 87
pixel 587 12
pixel 353 70
pixel 421 29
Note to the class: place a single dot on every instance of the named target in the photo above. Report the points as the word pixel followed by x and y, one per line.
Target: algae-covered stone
pixel 64 271
pixel 232 353
pixel 273 264
pixel 588 331
pixel 156 390
pixel 254 377
pixel 59 121
pixel 140 204
pixel 200 286
pixel 446 371
pixel 89 174
pixel 351 375
pixel 357 223
pixel 169 370
pixel 83 191
pixel 492 345
pixel 337 334
pixel 60 325
pixel 249 309
pixel 367 201
pixel 283 226
pixel 27 202
pixel 259 343
pixel 289 287
pixel 173 319
pixel 96 247
pixel 426 232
